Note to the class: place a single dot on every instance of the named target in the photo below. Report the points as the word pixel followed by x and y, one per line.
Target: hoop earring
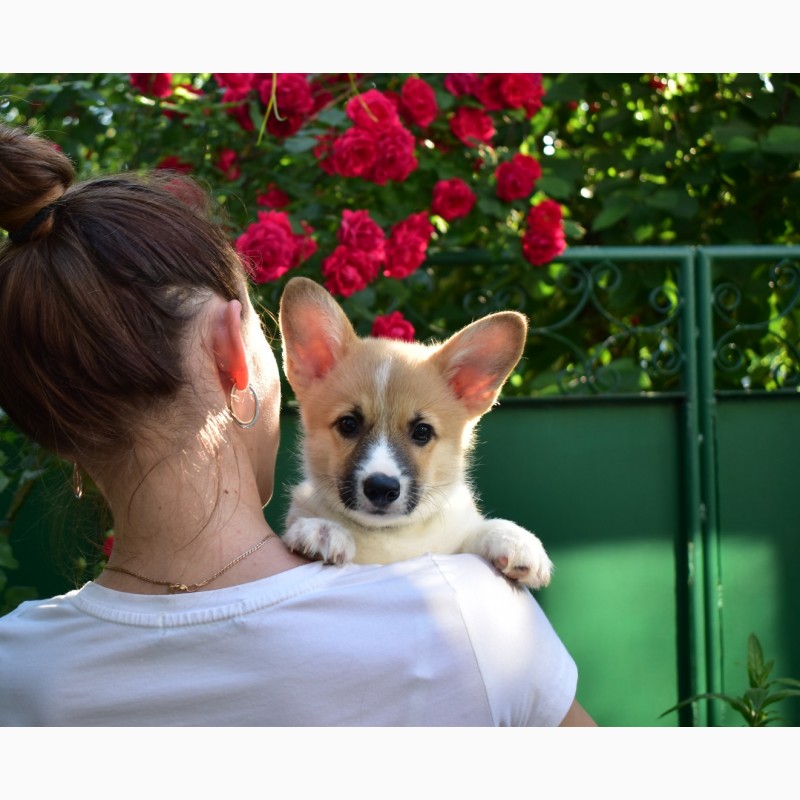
pixel 245 423
pixel 77 481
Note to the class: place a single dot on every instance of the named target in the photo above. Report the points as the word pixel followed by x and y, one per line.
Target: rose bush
pixel 360 181
pixel 444 196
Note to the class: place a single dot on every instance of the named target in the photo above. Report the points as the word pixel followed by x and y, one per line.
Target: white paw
pixel 516 552
pixel 320 539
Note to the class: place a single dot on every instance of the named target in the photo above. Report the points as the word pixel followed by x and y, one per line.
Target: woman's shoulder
pixel 44 608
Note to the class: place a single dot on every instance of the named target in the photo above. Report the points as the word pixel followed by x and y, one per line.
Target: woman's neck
pixel 185 518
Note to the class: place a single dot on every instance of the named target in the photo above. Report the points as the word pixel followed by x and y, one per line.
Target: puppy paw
pixel 320 539
pixel 517 553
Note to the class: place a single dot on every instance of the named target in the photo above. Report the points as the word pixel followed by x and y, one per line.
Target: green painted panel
pixel 600 485
pixel 759 519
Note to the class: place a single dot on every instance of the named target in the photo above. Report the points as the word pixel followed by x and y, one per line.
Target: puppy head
pixel 387 424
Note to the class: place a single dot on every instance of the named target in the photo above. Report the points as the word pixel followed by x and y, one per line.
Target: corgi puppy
pixel 387 427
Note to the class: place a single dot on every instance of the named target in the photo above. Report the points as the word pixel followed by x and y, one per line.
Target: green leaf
pixel 674 201
pixel 300 144
pixel 776 697
pixel 783 140
pixel 6 556
pixel 755 661
pixel 740 144
pixel 573 230
pixel 723 134
pixel 734 702
pixel 615 209
pixel 555 187
pixel 333 116
pixel 492 207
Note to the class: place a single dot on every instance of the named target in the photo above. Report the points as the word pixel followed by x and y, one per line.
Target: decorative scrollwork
pixel 758 328
pixel 614 334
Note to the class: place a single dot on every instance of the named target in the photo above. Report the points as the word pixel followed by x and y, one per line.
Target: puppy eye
pixel 347 425
pixel 422 433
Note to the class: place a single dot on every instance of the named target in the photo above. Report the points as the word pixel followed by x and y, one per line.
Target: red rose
pixel 306 244
pixel 461 83
pixel 472 126
pixel 108 545
pixel 293 102
pixel 539 249
pixel 239 107
pixel 360 232
pixel 523 90
pixel 393 326
pixel 228 164
pixel 394 156
pixel 418 102
pixel 273 197
pixel 323 152
pixel 355 152
pixel 452 199
pixel 153 84
pixel 488 91
pixel 239 81
pixel 174 163
pixel 544 238
pixel 348 270
pixel 547 213
pixel 407 245
pixel 372 110
pixel 503 90
pixel 271 247
pixel 517 178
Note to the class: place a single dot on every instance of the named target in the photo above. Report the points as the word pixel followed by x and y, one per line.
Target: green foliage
pixel 677 159
pixel 756 704
pixel 21 465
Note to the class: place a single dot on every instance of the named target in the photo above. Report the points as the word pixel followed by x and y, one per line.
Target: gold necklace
pixel 176 588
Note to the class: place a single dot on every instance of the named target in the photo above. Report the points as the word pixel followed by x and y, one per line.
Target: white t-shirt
pixel 433 641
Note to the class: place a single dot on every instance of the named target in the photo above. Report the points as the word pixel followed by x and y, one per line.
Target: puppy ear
pixel 478 359
pixel 315 332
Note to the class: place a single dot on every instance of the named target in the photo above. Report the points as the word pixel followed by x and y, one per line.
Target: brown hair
pixel 96 294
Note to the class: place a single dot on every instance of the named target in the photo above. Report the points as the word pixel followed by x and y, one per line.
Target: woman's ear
pixel 228 346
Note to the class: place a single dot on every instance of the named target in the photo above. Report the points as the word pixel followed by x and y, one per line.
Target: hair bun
pixel 33 174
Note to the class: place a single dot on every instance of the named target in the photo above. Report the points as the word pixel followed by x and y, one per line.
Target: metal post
pixel 707 417
pixel 692 678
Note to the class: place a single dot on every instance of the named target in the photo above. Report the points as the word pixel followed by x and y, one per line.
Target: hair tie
pixel 23 234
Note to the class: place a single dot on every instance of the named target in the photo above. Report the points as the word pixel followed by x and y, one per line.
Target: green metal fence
pixel 719 354
pixel 655 457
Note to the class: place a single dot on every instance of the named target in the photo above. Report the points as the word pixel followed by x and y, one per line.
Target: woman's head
pixel 100 283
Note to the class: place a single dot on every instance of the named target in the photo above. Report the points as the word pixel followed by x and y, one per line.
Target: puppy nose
pixel 381 490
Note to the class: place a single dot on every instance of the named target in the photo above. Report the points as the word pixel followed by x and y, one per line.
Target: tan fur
pixel 391 387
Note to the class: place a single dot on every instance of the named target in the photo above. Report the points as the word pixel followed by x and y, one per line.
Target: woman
pixel 129 346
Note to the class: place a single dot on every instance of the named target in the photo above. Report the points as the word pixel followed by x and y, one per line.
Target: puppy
pixel 387 429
